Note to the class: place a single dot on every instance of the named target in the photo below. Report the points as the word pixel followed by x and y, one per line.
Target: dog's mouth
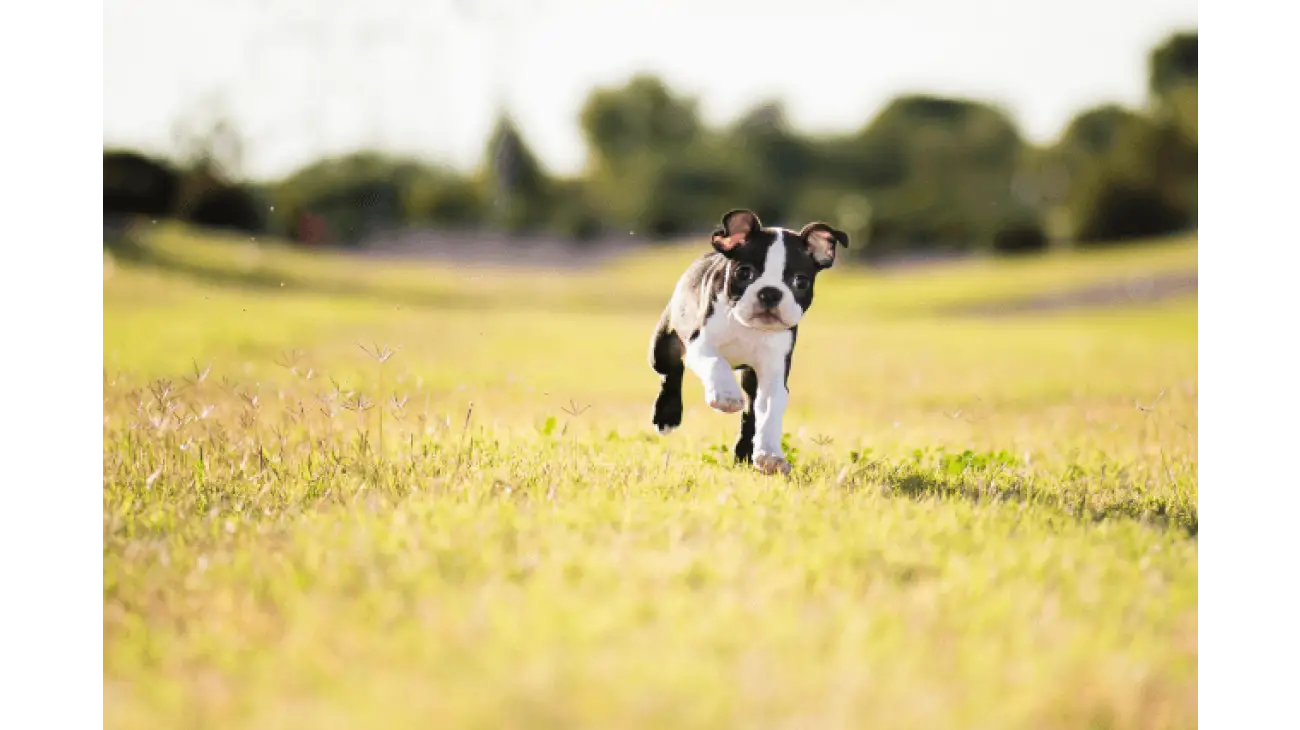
pixel 765 320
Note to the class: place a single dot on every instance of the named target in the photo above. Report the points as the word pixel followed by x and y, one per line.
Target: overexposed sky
pixel 303 78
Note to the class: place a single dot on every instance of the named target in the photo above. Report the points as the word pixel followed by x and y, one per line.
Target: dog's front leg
pixel 720 388
pixel 769 409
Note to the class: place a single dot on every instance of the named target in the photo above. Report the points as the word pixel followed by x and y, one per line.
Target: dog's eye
pixel 801 282
pixel 745 274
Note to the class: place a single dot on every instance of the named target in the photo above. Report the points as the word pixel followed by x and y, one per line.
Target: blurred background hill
pixel 348 127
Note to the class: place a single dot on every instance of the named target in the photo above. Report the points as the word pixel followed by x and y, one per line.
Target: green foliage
pixel 518 190
pixel 769 162
pixel 1116 209
pixel 1020 236
pixel 1179 108
pixel 363 191
pixel 137 184
pixel 953 165
pixel 685 193
pixel 1097 132
pixel 574 212
pixel 643 143
pixel 229 207
pixel 1131 176
pixel 863 162
pixel 968 460
pixel 448 200
pixel 622 126
pixel 1172 65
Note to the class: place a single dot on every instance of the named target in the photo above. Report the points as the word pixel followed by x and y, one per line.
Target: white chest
pixel 741 345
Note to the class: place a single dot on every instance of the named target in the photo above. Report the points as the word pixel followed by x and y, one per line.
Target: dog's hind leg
pixel 745 442
pixel 666 353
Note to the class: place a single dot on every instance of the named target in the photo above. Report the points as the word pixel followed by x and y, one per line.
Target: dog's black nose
pixel 769 296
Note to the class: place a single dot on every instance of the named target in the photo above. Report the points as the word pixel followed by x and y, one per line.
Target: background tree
pixel 519 189
pixel 137 184
pixel 210 151
pixel 355 194
pixel 636 136
pixel 772 163
pixel 1171 65
pixel 939 173
pixel 1143 185
pixel 1133 174
pixel 643 117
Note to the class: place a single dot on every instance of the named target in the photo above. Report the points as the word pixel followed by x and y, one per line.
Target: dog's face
pixel 770 271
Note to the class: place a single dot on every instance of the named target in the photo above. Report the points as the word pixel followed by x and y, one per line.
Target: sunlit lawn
pixel 991 522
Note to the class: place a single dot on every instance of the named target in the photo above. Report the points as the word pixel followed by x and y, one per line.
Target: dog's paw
pixel 771 463
pixel 725 399
pixel 726 404
pixel 667 414
pixel 666 424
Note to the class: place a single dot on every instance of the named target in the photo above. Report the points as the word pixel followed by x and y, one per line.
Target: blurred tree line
pixel 927 174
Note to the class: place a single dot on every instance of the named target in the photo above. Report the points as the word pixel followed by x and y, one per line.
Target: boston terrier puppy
pixel 739 308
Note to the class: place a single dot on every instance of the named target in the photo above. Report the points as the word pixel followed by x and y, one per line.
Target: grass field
pixel 342 493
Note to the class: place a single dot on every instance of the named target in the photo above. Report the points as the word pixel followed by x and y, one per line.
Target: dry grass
pixel 991 524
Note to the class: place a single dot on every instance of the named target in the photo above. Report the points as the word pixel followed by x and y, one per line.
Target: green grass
pixel 991 522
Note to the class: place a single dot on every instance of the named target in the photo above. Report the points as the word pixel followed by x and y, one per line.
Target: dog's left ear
pixel 820 240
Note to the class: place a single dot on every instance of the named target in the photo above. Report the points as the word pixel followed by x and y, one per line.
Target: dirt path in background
pixel 1131 290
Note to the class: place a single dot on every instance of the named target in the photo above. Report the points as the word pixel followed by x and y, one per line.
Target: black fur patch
pixel 745 441
pixel 789 356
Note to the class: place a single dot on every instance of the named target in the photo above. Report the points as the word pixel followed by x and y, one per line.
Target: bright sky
pixel 303 78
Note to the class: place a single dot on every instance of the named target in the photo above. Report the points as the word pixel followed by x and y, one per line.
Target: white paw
pixel 726 401
pixel 771 463
pixel 724 395
pixel 665 430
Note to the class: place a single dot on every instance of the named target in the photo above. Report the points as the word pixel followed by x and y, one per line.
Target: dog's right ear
pixel 736 227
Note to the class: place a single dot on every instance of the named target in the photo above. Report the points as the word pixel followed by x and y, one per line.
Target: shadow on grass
pixel 1080 499
pixel 128 250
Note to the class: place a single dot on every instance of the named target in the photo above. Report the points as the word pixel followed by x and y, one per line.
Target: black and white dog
pixel 739 308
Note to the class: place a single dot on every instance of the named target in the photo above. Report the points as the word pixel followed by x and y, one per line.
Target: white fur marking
pixel 720 388
pixel 769 409
pixel 773 276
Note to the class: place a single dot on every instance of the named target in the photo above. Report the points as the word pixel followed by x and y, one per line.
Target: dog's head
pixel 770 271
